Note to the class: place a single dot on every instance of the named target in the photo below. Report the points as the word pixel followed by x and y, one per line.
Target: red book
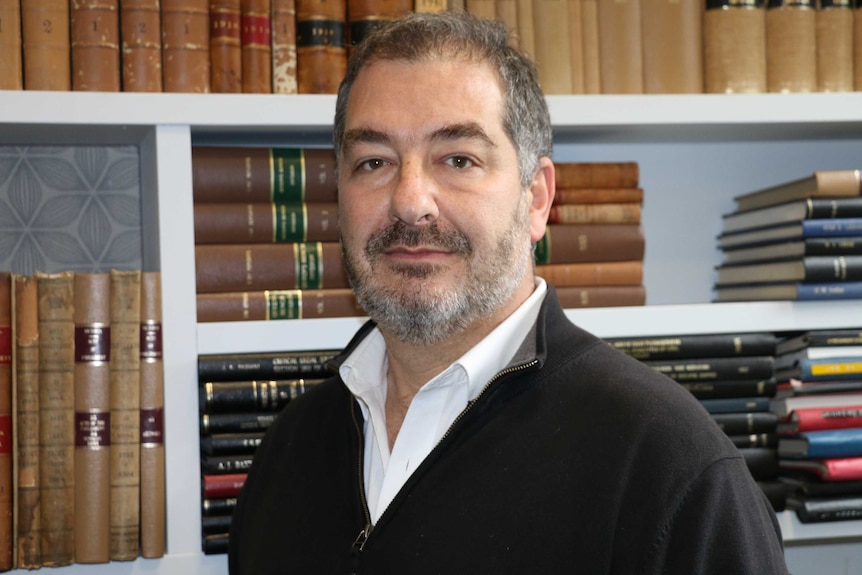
pixel 833 469
pixel 224 485
pixel 819 418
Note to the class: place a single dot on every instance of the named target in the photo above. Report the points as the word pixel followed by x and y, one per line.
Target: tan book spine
pixel 791 46
pixel 28 516
pixel 92 417
pixel 482 8
pixel 284 47
pixel 225 46
pixel 507 12
pixel 552 41
pixel 265 222
pixel 620 46
pixel 365 15
pixel 734 39
pixel 577 243
pixel 835 46
pixel 11 59
pixel 141 36
pixel 152 419
pixel 595 214
pixel 269 305
pixel 185 46
pixel 598 195
pixel 857 46
pixel 673 46
pixel 46 47
pixel 592 273
pixel 95 38
pixel 430 5
pixel 321 45
pixel 601 296
pixel 256 36
pixel 7 484
pixel 125 378
pixel 597 174
pixel 526 28
pixel 57 416
pixel 590 42
pixel 576 45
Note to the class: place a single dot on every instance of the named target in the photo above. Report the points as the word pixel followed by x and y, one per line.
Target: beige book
pixel 791 46
pixel 11 62
pixel 576 45
pixel 526 28
pixel 506 11
pixel 590 42
pixel 482 8
pixel 857 47
pixel 552 39
pixel 734 39
pixel 620 46
pixel 672 46
pixel 835 46
pixel 46 44
pixel 284 47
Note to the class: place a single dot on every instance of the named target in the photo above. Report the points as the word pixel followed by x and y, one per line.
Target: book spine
pixel 769 440
pixel 152 402
pixel 857 45
pixel 696 345
pixel 833 269
pixel 736 405
pixel 284 47
pixel 256 40
pixel 7 483
pixel 526 28
pixel 576 243
pixel 276 305
pixel 762 462
pixel 141 37
pixel 185 46
pixel 597 174
pixel 629 213
pixel 11 59
pixel 566 196
pixel 225 46
pixel 843 468
pixel 742 423
pixel 600 296
pixel 832 208
pixel 217 397
pixel 57 417
pixel 730 388
pixel 592 274
pixel 734 46
pixel 218 506
pixel 321 45
pixel 673 46
pixel 833 246
pixel 576 45
pixel 222 485
pixel 265 222
pixel 791 46
pixel 236 422
pixel 225 444
pixel 215 544
pixel 365 15
pixel 46 45
pixel 217 524
pixel 828 291
pixel 590 42
pixel 552 41
pixel 833 368
pixel 95 45
pixel 232 367
pixel 620 46
pixel 716 368
pixel 818 419
pixel 92 417
pixel 832 227
pixel 482 8
pixel 834 35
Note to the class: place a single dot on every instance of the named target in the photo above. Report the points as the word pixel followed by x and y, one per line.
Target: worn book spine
pixel 265 222
pixel 236 422
pixel 575 243
pixel 92 417
pixel 57 416
pixel 245 174
pixel 600 296
pixel 597 174
pixel 27 510
pixel 152 435
pixel 125 378
pixel 11 60
pixel 739 423
pixel 592 274
pixel 257 267
pixel 734 44
pixel 629 213
pixel 576 45
pixel 620 47
pixel 673 46
pixel 256 40
pixel 696 345
pixel 221 397
pixel 835 46
pixel 526 28
pixel 598 195
pixel 365 15
pixel 277 304
pixel 244 443
pixel 791 46
pixel 95 37
pixel 218 507
pixel 225 46
pixel 321 45
pixel 482 8
pixel 284 47
pixel 758 367
pixel 46 46
pixel 590 42
pixel 248 366
pixel 186 46
pixel 552 38
pixel 507 12
pixel 141 43
pixel 233 463
pixel 7 483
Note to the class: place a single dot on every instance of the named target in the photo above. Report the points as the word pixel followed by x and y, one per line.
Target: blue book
pixel 792 291
pixel 843 368
pixel 824 444
pixel 823 228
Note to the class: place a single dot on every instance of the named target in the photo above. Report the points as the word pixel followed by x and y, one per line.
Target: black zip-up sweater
pixel 576 459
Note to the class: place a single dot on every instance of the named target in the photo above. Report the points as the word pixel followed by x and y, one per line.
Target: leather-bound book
pixel 95 37
pixel 225 46
pixel 265 222
pixel 11 63
pixel 256 38
pixel 364 15
pixel 6 408
pixel 672 46
pixel 601 296
pixel 590 44
pixel 506 11
pixel 46 47
pixel 576 45
pixel 186 45
pixel 141 41
pixel 734 44
pixel 835 46
pixel 552 39
pixel 576 243
pixel 526 28
pixel 791 46
pixel 268 305
pixel 597 174
pixel 284 47
pixel 620 46
pixel 321 45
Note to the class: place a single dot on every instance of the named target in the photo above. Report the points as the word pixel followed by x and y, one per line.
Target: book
pixel 736 405
pixel 7 438
pixel 730 388
pixel 742 423
pixel 141 45
pixel 791 291
pixel 236 422
pixel 92 391
pixel 620 47
pixel 218 397
pixel 265 222
pixel 857 47
pixel 790 358
pixel 806 269
pixel 715 369
pixel 823 369
pixel 269 305
pixel 842 246
pixel 597 174
pixel 214 464
pixel 823 183
pixel 609 213
pixel 794 211
pixel 572 297
pixel 783 406
pixel 742 441
pixel 526 27
pixel 672 33
pixel 821 418
pixel 577 243
pixel 11 63
pixel 95 45
pixel 218 506
pixel 45 44
pixel 734 46
pixel 284 47
pixel 215 544
pixel 256 42
pixel 225 46
pixel 220 485
pixel 819 338
pixel 834 34
pixel 762 462
pixel 246 174
pixel 590 42
pixel 791 46
pixel 775 492
pixel 825 443
pixel 552 45
pixel 804 484
pixel 248 366
pixel 244 443
pixel 186 46
pixel 708 345
pixel 482 8
pixel 830 469
pixel 321 45
pixel 216 524
pixel 598 196
pixel 821 509
pixel 592 273
pixel 363 16
pixel 797 387
pixel 576 45
pixel 837 229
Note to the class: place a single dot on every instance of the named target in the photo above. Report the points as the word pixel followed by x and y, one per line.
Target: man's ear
pixel 542 190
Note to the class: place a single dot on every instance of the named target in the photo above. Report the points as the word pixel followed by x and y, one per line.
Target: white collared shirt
pixel 434 407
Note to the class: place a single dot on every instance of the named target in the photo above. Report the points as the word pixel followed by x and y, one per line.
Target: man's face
pixel 435 227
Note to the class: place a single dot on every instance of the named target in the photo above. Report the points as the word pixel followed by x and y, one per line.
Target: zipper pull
pixel 357 547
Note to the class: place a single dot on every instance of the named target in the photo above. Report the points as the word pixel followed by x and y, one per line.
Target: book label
pixel 92 344
pixel 5 345
pixel 6 440
pixel 309 265
pixel 152 427
pixel 256 30
pixel 311 33
pixel 283 304
pixel 290 222
pixel 287 167
pixel 151 341
pixel 92 429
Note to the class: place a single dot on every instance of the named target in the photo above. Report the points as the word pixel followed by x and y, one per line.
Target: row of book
pixel 81 418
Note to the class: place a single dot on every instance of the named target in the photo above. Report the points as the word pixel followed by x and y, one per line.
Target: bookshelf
pixel 695 152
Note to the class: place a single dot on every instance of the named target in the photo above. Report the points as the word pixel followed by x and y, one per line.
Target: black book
pixel 251 396
pixel 732 388
pixel 745 423
pixel 762 462
pixel 244 366
pixel 215 464
pixel 695 345
pixel 819 338
pixel 218 506
pixel 820 509
pixel 736 405
pixel 716 368
pixel 842 246
pixel 214 544
pixel 755 440
pixel 236 422
pixel 215 524
pixel 809 485
pixel 231 443
pixel 807 269
pixel 808 209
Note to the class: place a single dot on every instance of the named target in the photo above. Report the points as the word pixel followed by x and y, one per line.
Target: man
pixel 471 427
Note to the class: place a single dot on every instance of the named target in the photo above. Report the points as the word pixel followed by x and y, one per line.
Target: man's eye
pixel 372 164
pixel 459 162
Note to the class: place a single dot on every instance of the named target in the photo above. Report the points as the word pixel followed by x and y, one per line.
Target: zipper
pixel 359 543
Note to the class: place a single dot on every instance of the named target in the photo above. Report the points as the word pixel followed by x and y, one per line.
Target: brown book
pixel 824 183
pixel 857 46
pixel 598 195
pixel 125 378
pixel 11 62
pixel 597 174
pixel 186 46
pixel 152 419
pixel 6 437
pixel 257 267
pixel 835 46
pixel 28 516
pixel 482 8
pixel 321 45
pixel 365 15
pixel 601 296
pixel 46 47
pixel 629 213
pixel 284 47
pixel 141 37
pixel 672 46
pixel 592 273
pixel 92 417
pixel 576 45
pixel 95 37
pixel 620 47
pixel 237 174
pixel 552 39
pixel 576 243
pixel 734 47
pixel 277 304
pixel 433 5
pixel 265 222
pixel 590 43
pixel 791 46
pixel 506 11
pixel 57 416
pixel 256 40
pixel 225 46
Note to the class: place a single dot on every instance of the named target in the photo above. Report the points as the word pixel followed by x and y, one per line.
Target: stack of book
pixel 266 236
pixel 819 404
pixel 240 396
pixel 798 240
pixel 593 250
pixel 732 377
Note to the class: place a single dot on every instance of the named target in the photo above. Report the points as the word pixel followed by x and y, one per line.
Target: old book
pixel 672 46
pixel 249 366
pixel 321 45
pixel 576 45
pixel 590 43
pixel 57 416
pixel 269 305
pixel 552 41
pixel 757 367
pixel 222 484
pixel 706 345
pixel 214 464
pixel 225 47
pixel 506 11
pixel 430 5
pixel 574 243
pixel 820 339
pixel 598 195
pixel 736 405
pixel 256 40
pixel 755 440
pixel 234 422
pixel 7 483
pixel 834 19
pixel 365 15
pixel 848 246
pixel 92 417
pixel 215 544
pixel 592 273
pixel 601 296
pixel 218 506
pixel 822 228
pixel 245 174
pixel 825 509
pixel 257 267
pixel 597 174
pixel 526 28
pixel 793 291
pixel 762 462
pixel 46 46
pixel 141 44
pixel 620 47
pixel 822 183
pixel 791 46
pixel 11 62
pixel 793 387
pixel 806 269
pixel 617 213
pixel 152 435
pixel 265 222
pixel 216 525
pixel 794 211
pixel 125 381
pixel 730 388
pixel 857 46
pixel 737 423
pixel 95 38
pixel 28 515
pixel 222 397
pixel 284 47
pixel 482 8
pixel 734 46
pixel 244 443
pixel 186 45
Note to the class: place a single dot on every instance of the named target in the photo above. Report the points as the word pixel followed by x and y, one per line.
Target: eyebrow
pixel 462 131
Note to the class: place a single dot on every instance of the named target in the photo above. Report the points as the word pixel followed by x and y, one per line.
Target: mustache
pixel 400 234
